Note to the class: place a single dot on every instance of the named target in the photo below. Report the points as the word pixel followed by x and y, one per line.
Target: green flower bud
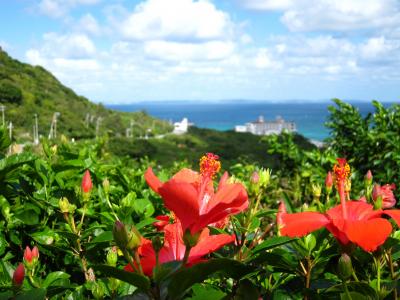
pixel 265 176
pixel 345 267
pixel 106 185
pixel 120 235
pixel 134 238
pixel 112 256
pixel 316 190
pixel 63 204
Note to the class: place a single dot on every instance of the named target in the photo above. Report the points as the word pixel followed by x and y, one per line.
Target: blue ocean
pixel 309 117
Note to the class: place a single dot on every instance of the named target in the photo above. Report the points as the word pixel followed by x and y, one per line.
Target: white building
pixel 262 127
pixel 182 126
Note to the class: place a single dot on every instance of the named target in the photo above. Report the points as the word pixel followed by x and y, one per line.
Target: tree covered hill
pixel 26 90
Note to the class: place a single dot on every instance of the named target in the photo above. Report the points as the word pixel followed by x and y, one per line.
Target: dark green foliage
pixel 370 142
pixel 10 93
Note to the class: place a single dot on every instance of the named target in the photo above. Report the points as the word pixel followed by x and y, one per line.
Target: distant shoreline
pixel 310 117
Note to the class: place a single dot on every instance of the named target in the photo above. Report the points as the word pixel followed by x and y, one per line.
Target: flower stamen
pixel 209 165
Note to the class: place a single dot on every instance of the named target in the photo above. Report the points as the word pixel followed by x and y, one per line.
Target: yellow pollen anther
pixel 341 169
pixel 209 165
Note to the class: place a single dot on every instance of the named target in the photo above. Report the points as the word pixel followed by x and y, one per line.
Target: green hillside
pixel 26 90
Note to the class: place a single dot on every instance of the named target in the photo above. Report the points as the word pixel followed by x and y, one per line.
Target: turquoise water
pixel 309 117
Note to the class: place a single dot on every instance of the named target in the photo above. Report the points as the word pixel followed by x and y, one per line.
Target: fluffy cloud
pixel 180 30
pixel 177 20
pixel 335 15
pixel 213 50
pixel 65 54
pixel 74 46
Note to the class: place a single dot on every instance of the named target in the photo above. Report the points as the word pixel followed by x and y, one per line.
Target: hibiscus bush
pixel 79 223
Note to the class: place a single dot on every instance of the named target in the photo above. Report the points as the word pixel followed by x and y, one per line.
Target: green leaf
pixel 3 244
pixel 145 222
pixel 45 237
pixel 182 280
pixel 141 282
pixel 143 207
pixel 105 236
pixel 28 214
pixel 202 291
pixel 34 294
pixel 54 279
pixel 272 243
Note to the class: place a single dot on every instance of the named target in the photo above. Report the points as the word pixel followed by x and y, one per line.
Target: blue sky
pixel 127 51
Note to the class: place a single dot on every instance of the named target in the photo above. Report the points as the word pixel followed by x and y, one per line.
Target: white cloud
pixel 268 4
pixel 213 50
pixel 88 24
pixel 59 8
pixel 335 15
pixel 65 53
pixel 380 48
pixel 263 60
pixel 74 45
pixel 177 20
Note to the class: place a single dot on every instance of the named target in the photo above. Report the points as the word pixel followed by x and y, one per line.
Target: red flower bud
pixel 86 182
pixel 19 275
pixel 255 178
pixel 329 180
pixel 29 254
pixel 161 223
pixel 386 193
pixel 35 252
pixel 368 176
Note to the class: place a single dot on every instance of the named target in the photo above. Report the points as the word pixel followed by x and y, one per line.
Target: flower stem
pixel 392 274
pixel 186 256
pixel 346 290
pixel 112 209
pixel 342 196
pixel 378 273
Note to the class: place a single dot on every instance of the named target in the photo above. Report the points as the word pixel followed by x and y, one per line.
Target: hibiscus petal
pixel 208 244
pixel 174 248
pixel 394 214
pixel 181 198
pixel 187 175
pixel 368 234
pixel 152 180
pixel 148 263
pixel 356 210
pixel 229 200
pixel 223 180
pixel 300 224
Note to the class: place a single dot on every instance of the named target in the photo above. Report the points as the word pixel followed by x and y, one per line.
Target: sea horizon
pixel 310 117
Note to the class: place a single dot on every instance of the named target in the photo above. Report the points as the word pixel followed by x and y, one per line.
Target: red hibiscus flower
pixel 174 248
pixel 386 193
pixel 191 196
pixel 350 221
